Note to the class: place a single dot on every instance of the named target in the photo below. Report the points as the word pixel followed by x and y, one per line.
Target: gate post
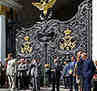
pixel 2 32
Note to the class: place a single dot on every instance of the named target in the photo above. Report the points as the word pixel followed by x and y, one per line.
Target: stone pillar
pixel 94 34
pixel 2 32
pixel 5 6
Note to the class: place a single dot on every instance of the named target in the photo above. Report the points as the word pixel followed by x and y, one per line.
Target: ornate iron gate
pixel 50 37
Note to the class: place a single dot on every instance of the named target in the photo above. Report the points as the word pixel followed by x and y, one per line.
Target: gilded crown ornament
pixel 67 43
pixel 26 47
pixel 67 32
pixel 44 5
pixel 26 38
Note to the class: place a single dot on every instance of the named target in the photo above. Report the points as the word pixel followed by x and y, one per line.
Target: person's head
pixel 79 54
pixel 27 61
pixel 55 59
pixel 73 58
pixel 38 60
pixel 65 62
pixel 10 56
pixel 22 60
pixel 84 56
pixel 33 61
pixel 96 62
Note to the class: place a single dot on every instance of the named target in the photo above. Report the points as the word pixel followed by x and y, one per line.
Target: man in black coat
pixel 56 74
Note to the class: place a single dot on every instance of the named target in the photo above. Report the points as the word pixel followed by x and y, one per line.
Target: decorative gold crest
pixel 26 48
pixel 67 43
pixel 44 5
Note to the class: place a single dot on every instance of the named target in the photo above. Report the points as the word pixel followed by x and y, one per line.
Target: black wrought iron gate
pixel 50 37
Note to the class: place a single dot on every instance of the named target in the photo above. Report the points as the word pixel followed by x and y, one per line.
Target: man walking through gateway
pixel 87 70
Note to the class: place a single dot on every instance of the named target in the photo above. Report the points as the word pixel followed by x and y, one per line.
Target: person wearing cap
pixel 87 70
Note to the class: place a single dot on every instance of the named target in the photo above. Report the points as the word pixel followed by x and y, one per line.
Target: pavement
pixel 42 89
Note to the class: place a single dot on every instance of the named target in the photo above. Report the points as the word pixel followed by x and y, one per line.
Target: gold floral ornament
pixel 26 48
pixel 67 43
pixel 44 5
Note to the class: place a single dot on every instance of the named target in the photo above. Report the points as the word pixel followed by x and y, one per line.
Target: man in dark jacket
pixel 22 73
pixel 56 74
pixel 87 70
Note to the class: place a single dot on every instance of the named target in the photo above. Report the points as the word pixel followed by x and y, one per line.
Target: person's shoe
pixel 34 89
pixel 52 90
pixel 12 89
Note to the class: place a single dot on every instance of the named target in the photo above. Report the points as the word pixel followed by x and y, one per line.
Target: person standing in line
pixel 56 74
pixel 87 71
pixel 3 77
pixel 22 68
pixel 74 68
pixel 35 74
pixel 69 72
pixel 6 78
pixel 27 73
pixel 11 71
pixel 32 74
pixel 78 68
pixel 38 73
pixel 18 75
pixel 47 75
pixel 65 76
pixel 95 78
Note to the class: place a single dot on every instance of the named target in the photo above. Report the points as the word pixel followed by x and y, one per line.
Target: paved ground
pixel 42 89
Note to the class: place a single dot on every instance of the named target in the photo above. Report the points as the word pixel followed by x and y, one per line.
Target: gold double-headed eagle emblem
pixel 44 5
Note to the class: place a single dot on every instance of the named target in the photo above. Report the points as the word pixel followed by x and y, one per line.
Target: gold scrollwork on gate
pixel 26 47
pixel 67 43
pixel 44 5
